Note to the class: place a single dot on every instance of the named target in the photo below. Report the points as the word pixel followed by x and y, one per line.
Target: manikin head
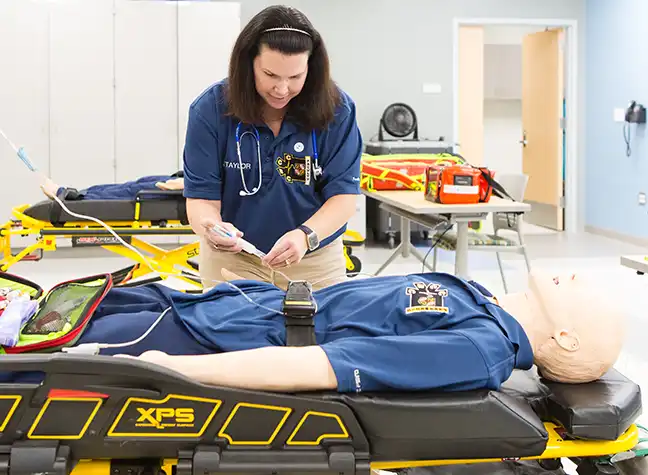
pixel 575 329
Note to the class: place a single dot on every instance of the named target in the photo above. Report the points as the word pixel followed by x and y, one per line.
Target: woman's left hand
pixel 287 251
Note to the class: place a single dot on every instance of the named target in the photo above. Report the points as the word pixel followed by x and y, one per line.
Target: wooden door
pixel 471 94
pixel 542 110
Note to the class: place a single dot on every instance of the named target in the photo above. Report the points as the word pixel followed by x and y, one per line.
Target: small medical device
pixel 299 308
pixel 247 246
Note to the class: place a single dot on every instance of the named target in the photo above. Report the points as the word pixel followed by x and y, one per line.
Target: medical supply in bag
pixel 19 310
pixel 59 316
pixel 8 295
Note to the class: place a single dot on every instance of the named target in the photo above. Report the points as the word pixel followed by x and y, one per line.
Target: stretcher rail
pixel 121 231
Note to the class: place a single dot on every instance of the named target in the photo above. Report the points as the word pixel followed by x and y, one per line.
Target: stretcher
pixel 151 213
pixel 101 415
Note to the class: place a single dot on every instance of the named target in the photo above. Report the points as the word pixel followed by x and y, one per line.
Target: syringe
pixel 245 245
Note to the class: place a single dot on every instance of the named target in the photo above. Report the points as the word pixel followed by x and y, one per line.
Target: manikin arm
pixel 273 368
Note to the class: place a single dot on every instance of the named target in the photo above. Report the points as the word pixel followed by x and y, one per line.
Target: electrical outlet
pixel 642 198
pixel 619 114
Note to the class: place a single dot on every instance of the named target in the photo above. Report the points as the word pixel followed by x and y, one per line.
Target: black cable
pixel 435 243
pixel 626 138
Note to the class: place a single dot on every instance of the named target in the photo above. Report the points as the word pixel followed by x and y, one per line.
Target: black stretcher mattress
pixel 162 207
pixel 471 424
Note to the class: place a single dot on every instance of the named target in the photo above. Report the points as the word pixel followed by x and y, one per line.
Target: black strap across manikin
pixel 299 309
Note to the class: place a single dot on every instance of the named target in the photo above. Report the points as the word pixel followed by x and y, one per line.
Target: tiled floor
pixel 595 255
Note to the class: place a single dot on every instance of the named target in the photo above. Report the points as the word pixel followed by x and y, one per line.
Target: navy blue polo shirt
pixel 289 195
pixel 430 331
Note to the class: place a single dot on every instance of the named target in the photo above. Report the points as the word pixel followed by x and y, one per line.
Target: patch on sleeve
pixel 426 298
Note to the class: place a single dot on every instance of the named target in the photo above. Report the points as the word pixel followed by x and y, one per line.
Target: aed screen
pixel 463 180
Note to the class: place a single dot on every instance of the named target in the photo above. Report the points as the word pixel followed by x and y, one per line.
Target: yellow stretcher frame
pixel 557 448
pixel 168 263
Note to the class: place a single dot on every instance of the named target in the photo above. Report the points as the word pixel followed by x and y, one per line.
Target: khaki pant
pixel 326 265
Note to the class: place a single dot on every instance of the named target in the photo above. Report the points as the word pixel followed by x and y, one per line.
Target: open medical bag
pixel 61 314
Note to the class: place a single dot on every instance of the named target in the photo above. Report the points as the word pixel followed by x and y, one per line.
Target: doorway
pixel 514 105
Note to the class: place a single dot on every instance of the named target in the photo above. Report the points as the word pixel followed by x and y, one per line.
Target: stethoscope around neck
pixel 317 170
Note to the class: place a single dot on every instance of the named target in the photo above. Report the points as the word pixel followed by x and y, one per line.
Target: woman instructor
pixel 273 154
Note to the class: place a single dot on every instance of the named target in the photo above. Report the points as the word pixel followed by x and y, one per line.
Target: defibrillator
pixel 461 184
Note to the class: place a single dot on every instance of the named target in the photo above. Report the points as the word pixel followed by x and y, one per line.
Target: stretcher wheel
pixel 550 464
pixel 353 264
pixel 357 265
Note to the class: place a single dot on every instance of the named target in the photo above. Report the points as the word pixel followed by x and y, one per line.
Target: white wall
pixel 97 91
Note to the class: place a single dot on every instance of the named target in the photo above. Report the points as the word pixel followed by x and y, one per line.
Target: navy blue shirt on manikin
pixel 288 194
pixel 405 333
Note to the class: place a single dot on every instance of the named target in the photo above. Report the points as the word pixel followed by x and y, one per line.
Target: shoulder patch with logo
pixel 426 298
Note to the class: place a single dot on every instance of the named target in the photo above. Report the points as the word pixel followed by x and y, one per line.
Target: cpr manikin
pixel 575 331
pixel 449 334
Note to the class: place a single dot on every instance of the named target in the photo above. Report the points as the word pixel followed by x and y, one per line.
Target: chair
pixel 515 185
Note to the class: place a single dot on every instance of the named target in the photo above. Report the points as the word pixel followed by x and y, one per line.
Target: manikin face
pixel 279 77
pixel 584 327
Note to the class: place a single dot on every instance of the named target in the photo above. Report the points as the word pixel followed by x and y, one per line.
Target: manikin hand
pixel 171 184
pixel 218 242
pixel 288 250
pixel 49 187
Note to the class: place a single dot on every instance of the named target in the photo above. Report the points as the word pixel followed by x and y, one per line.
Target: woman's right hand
pixel 218 242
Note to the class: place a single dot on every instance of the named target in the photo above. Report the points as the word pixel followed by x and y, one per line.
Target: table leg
pixel 394 255
pixel 406 236
pixel 405 247
pixel 461 251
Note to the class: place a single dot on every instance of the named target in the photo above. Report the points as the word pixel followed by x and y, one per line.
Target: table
pixel 411 206
pixel 637 263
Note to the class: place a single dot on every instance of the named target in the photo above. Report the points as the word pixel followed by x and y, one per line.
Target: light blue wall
pixel 616 73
